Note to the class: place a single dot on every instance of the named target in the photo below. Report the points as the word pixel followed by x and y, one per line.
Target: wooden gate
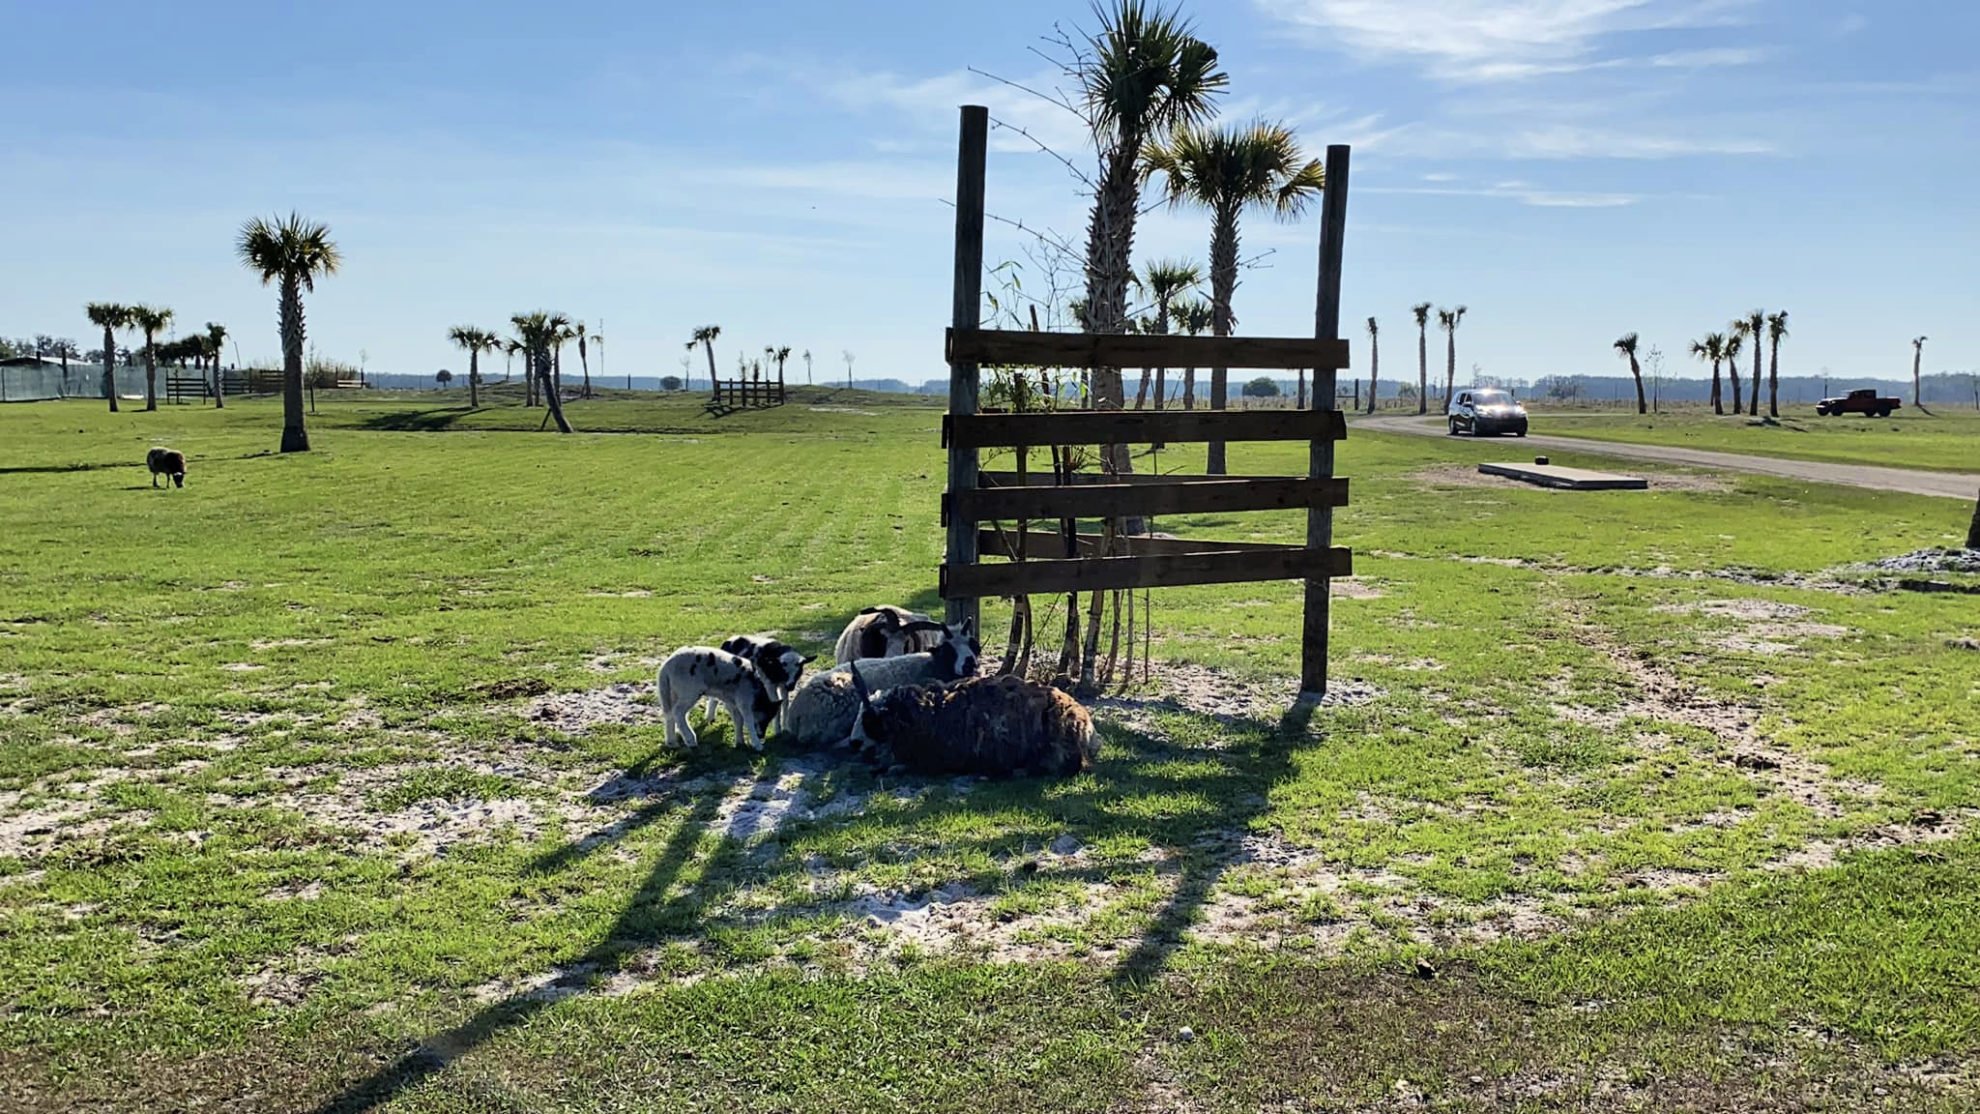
pixel 975 497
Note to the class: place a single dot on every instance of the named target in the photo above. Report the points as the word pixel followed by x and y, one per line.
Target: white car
pixel 1487 410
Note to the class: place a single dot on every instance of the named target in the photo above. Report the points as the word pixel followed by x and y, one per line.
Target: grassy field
pixel 1947 440
pixel 332 781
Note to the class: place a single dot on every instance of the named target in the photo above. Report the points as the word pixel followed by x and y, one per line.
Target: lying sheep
pixel 823 711
pixel 166 462
pixel 980 726
pixel 694 672
pixel 885 632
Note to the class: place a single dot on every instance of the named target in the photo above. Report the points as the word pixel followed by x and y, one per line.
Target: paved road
pixel 1951 485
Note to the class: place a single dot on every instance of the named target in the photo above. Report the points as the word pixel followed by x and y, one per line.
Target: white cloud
pixel 1566 141
pixel 1523 192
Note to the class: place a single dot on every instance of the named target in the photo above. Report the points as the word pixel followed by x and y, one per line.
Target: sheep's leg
pixel 745 730
pixel 684 731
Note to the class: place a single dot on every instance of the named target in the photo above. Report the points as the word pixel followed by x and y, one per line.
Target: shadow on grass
pixel 416 421
pixel 1221 794
pixel 108 465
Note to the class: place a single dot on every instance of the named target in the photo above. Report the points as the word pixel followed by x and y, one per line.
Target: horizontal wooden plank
pixel 1139 427
pixel 1044 478
pixel 1048 544
pixel 1035 349
pixel 1172 570
pixel 1130 500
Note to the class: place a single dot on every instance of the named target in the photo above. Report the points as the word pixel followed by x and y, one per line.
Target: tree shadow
pixel 416 421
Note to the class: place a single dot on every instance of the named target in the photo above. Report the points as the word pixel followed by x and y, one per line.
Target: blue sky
pixel 1570 169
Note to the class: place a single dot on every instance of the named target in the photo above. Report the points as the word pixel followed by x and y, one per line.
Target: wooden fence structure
pixel 976 499
pixel 746 394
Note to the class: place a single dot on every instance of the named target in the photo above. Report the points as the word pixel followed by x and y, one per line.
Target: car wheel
pixel 1454 430
pixel 1520 432
pixel 1885 413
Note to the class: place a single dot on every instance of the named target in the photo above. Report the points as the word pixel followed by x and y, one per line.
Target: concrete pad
pixel 1570 479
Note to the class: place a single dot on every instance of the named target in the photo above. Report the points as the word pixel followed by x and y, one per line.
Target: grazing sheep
pixel 823 710
pixel 694 672
pixel 166 462
pixel 780 665
pixel 885 632
pixel 981 726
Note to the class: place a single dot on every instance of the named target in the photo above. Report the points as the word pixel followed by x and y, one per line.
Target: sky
pixel 1570 170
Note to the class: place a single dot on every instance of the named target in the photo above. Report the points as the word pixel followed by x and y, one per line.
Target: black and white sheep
pixel 980 726
pixel 781 665
pixel 166 462
pixel 885 632
pixel 694 672
pixel 824 709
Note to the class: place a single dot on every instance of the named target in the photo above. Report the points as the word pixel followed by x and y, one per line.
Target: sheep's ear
pixel 808 661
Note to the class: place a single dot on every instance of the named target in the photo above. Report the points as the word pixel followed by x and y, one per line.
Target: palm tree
pixel 583 359
pixel 1712 348
pixel 292 252
pixel 1228 170
pixel 1448 320
pixel 1422 312
pixel 705 336
pixel 1374 364
pixel 109 316
pixel 849 367
pixel 474 341
pixel 150 320
pixel 443 377
pixel 781 354
pixel 1734 345
pixel 1777 329
pixel 1917 357
pixel 216 339
pixel 1143 75
pixel 807 367
pixel 1193 317
pixel 1626 344
pixel 538 333
pixel 1165 279
pixel 1756 326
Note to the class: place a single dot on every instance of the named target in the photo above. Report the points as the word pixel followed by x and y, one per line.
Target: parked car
pixel 1487 411
pixel 1865 402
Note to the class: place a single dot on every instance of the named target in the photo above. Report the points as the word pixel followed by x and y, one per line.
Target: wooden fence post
pixel 968 314
pixel 1326 326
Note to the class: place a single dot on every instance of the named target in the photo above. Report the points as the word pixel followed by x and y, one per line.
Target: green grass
pixel 1946 440
pixel 306 843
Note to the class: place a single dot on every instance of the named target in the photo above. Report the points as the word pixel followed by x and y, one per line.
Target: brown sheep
pixel 980 726
pixel 166 462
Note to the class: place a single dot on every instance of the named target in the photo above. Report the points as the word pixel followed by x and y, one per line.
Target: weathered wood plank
pixel 1175 570
pixel 1139 427
pixel 1317 607
pixel 1134 500
pixel 966 313
pixel 1003 543
pixel 1083 479
pixel 1090 350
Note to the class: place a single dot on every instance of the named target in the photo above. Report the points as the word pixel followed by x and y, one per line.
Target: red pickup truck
pixel 1863 402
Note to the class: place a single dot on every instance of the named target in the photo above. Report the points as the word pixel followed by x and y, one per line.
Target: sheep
pixel 693 672
pixel 166 462
pixel 884 632
pixel 780 665
pixel 980 726
pixel 822 712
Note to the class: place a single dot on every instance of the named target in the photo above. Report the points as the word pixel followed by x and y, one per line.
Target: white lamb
pixel 694 672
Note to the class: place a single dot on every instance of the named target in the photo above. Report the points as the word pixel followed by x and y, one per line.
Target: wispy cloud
pixel 1523 192
pixel 1496 40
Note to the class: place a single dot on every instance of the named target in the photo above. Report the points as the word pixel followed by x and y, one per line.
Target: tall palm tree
pixel 1712 349
pixel 1917 357
pixel 110 317
pixel 1143 74
pixel 577 329
pixel 150 320
pixel 1193 317
pixel 781 354
pixel 1448 320
pixel 1165 279
pixel 1756 330
pixel 216 339
pixel 474 341
pixel 807 367
pixel 1374 365
pixel 560 332
pixel 1735 343
pixel 539 333
pixel 1626 344
pixel 1422 312
pixel 1777 330
pixel 705 336
pixel 293 253
pixel 1228 170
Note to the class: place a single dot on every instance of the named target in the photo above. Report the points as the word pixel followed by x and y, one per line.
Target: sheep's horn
pixel 922 625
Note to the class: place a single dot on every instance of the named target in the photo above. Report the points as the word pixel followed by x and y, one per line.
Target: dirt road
pixel 1950 485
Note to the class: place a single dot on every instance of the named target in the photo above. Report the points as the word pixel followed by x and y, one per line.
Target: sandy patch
pixel 576 712
pixel 1225 697
pixel 1353 588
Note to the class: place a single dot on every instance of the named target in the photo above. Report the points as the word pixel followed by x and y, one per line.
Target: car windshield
pixel 1490 398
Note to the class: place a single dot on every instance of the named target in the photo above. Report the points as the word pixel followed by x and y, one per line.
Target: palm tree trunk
pixel 585 360
pixel 1973 528
pixel 1300 402
pixel 1753 399
pixel 1189 389
pixel 545 363
pixel 1223 284
pixel 474 378
pixel 1718 397
pixel 1636 373
pixel 1774 379
pixel 1450 366
pixel 1422 367
pixel 295 438
pixel 1917 357
pixel 110 367
pixel 1141 392
pixel 1374 371
pixel 150 372
pixel 708 346
pixel 219 383
pixel 1732 374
